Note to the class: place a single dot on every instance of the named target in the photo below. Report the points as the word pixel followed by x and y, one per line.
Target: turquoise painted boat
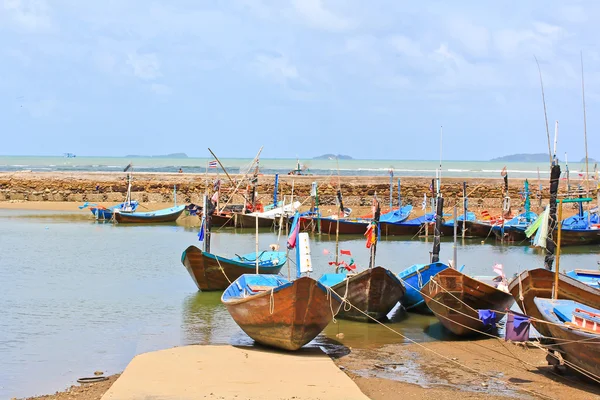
pixel 163 215
pixel 588 276
pixel 414 278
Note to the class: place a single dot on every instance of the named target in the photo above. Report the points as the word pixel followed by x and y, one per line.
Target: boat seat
pixel 259 288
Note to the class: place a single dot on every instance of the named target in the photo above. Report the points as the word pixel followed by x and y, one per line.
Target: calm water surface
pixel 78 296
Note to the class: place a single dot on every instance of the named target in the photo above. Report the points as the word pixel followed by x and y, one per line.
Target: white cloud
pixel 406 46
pixel 276 68
pixel 145 66
pixel 31 15
pixel 314 12
pixel 161 89
pixel 473 38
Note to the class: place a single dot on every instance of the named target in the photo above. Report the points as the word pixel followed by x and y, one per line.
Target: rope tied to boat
pixel 345 298
pixel 272 302
pixel 330 298
pixel 222 270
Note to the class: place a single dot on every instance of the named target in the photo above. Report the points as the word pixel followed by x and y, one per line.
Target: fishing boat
pixel 575 330
pixel 455 299
pixel 410 227
pixel 280 313
pixel 358 226
pixel 539 283
pixel 588 276
pixel 373 292
pixel 264 219
pixel 414 278
pixel 212 272
pixel 107 213
pixel 513 230
pixel 163 215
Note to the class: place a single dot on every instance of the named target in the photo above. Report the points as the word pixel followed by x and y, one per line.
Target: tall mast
pixel 550 245
pixel 439 180
pixel 545 113
pixel 587 186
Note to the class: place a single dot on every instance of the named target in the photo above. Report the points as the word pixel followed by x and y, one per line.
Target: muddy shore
pixel 358 191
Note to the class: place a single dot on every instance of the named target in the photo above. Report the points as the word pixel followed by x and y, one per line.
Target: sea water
pixel 283 166
pixel 79 296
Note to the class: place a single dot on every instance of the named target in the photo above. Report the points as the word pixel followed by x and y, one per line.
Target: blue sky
pixel 370 79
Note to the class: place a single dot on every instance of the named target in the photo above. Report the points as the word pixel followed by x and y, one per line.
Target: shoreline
pixel 479 368
pixel 358 191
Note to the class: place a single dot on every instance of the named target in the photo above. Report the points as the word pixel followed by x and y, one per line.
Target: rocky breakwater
pixel 158 188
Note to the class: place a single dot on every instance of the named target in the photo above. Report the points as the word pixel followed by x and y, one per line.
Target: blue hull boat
pixel 414 278
pixel 164 215
pixel 107 212
pixel 514 229
pixel 574 326
pixel 587 276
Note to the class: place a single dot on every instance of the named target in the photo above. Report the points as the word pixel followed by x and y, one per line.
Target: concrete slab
pixel 227 372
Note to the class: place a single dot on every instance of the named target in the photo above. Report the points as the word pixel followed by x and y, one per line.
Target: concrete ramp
pixel 227 372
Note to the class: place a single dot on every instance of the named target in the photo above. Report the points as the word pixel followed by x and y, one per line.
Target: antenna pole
pixel 587 185
pixel 545 113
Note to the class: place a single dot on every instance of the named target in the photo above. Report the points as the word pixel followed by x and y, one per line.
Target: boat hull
pixel 510 233
pixel 374 291
pixel 472 229
pixel 539 283
pixel 150 217
pixel 399 229
pixel 329 226
pixel 455 298
pixel 575 346
pixel 288 318
pixel 221 220
pixel 414 281
pixel 249 221
pixel 205 269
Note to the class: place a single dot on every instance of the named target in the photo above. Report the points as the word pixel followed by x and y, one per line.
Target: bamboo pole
pixel 454 258
pixel 587 186
pixel 555 291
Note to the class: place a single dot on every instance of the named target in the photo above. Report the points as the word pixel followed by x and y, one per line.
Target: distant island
pixel 537 157
pixel 173 155
pixel 590 160
pixel 332 157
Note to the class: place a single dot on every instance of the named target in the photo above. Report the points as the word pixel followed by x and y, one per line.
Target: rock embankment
pixel 158 188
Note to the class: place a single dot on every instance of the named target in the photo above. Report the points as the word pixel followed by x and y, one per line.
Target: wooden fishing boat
pixel 164 215
pixel 346 227
pixel 242 220
pixel 276 312
pixel 374 291
pixel 455 298
pixel 212 272
pixel 588 276
pixel 473 229
pixel 219 220
pixel 412 227
pixel 414 278
pixel 577 344
pixel 514 230
pixel 539 283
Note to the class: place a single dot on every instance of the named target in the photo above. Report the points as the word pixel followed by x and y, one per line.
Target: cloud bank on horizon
pixel 302 77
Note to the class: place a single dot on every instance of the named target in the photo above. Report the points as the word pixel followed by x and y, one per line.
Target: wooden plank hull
pixel 390 229
pixel 221 220
pixel 132 218
pixel 510 234
pixel 205 269
pixel 455 298
pixel 472 229
pixel 576 347
pixel 374 291
pixel 329 226
pixel 242 220
pixel 286 319
pixel 539 283
pixel 579 237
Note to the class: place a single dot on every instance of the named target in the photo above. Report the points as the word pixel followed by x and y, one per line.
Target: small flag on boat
pixel 128 167
pixel 498 269
pixel 345 252
pixel 212 164
pixel 201 232
pixel 424 203
pixel 292 239
pixel 370 235
pixel 503 172
pixel 325 251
